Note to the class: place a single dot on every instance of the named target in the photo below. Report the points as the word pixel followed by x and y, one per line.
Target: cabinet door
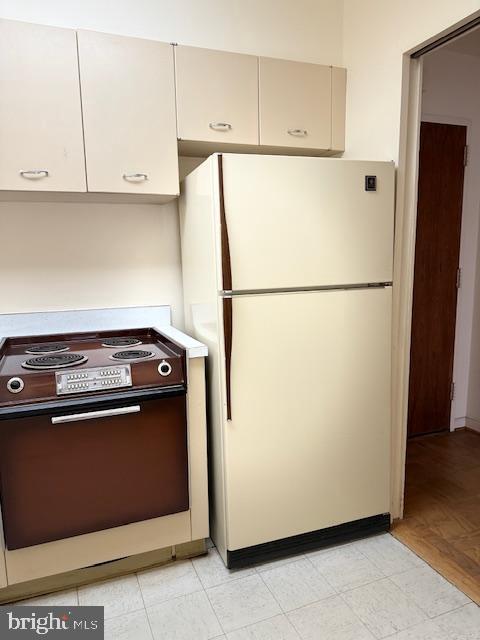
pixel 339 95
pixel 217 96
pixel 128 100
pixel 295 104
pixel 40 114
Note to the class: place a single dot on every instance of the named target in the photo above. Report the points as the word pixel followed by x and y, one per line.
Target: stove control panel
pixel 85 380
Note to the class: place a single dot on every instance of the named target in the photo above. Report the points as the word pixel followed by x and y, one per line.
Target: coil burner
pixel 121 342
pixel 132 354
pixel 52 347
pixel 55 361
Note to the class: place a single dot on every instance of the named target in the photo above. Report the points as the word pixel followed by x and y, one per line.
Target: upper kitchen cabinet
pixel 41 145
pixel 339 98
pixel 128 97
pixel 295 104
pixel 217 97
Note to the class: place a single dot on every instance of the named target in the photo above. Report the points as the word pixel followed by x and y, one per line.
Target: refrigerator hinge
pixel 459 277
pixel 465 155
pixel 452 392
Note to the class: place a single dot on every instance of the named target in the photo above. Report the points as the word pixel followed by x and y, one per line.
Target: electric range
pixel 93 433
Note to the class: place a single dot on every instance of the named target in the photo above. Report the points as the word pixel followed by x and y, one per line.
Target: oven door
pixel 76 472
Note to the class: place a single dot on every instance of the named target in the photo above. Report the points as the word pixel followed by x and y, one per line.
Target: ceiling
pixel 468 44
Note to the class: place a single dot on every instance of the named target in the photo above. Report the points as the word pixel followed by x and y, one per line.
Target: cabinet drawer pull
pixel 299 133
pixel 34 174
pixel 135 177
pixel 220 126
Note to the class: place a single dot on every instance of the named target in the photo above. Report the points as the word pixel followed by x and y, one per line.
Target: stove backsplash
pixel 59 256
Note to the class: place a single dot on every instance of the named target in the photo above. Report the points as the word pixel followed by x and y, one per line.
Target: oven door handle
pixel 91 415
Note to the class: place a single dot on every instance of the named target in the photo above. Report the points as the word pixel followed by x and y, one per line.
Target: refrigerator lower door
pixel 308 443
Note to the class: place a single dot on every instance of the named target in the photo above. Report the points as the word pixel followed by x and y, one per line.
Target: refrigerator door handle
pixel 226 262
pixel 228 337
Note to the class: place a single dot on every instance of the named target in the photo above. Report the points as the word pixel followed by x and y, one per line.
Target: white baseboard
pixel 472 423
pixel 459 423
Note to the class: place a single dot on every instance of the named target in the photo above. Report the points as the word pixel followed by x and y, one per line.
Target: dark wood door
pixel 439 219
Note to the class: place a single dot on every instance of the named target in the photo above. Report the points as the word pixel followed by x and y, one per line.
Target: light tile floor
pixel 366 590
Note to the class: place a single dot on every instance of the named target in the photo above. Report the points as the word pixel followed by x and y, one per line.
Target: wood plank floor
pixel 442 506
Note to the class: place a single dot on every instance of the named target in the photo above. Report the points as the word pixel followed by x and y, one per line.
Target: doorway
pixel 441 225
pixel 436 276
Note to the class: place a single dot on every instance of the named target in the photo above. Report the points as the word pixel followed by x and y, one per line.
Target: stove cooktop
pixel 36 369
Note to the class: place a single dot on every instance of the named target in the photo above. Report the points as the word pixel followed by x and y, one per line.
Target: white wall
pixel 100 274
pixel 451 93
pixel 76 256
pixel 308 30
pixel 376 34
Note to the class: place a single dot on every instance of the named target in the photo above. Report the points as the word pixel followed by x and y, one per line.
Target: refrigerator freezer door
pixel 308 445
pixel 307 222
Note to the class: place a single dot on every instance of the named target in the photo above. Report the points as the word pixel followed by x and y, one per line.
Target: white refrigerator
pixel 287 272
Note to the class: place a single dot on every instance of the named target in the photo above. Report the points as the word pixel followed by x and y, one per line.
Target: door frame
pixel 404 255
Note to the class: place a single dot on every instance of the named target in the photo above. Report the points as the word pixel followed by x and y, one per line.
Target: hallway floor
pixel 442 506
pixel 366 590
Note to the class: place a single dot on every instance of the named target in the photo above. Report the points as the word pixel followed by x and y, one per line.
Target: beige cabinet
pixel 217 96
pixel 101 113
pixel 128 99
pixel 41 146
pixel 339 97
pixel 295 104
